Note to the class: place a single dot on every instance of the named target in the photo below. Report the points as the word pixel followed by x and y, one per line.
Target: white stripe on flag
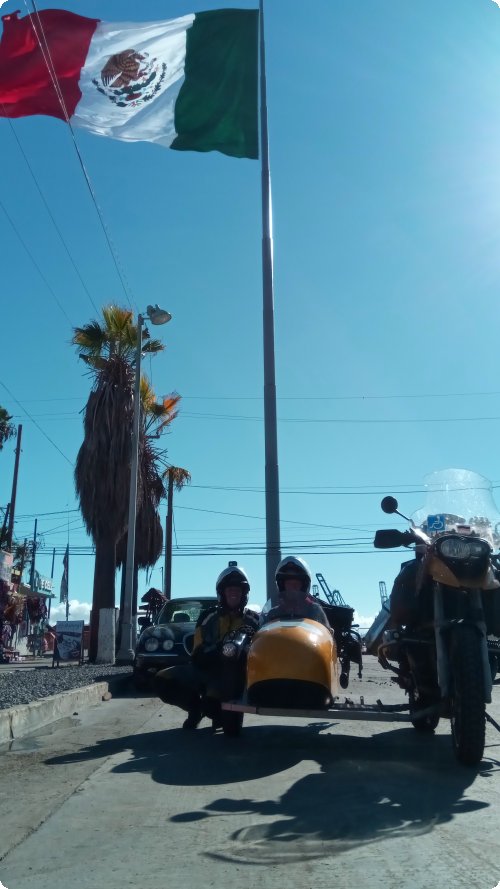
pixel 133 97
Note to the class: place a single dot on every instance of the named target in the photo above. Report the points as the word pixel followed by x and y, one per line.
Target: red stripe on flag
pixel 26 85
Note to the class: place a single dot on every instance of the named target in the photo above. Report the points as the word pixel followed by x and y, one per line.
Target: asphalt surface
pixel 120 796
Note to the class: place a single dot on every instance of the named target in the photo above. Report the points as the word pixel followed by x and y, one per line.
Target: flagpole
pixel 273 543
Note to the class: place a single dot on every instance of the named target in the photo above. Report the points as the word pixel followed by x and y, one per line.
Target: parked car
pixel 169 639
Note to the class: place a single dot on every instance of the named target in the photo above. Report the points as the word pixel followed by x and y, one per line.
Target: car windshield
pixel 183 610
pixel 458 497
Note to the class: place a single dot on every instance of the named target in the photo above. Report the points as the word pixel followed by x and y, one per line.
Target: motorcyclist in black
pixel 293 580
pixel 208 679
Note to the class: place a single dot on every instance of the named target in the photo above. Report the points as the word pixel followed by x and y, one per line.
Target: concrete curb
pixel 15 722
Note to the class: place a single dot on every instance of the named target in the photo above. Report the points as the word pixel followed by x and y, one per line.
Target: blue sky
pixel 384 125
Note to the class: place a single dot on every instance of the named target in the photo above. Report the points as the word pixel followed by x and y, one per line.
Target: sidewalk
pixel 32 697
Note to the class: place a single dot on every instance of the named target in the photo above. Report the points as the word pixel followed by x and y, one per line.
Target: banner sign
pixel 42 584
pixel 69 635
pixel 5 566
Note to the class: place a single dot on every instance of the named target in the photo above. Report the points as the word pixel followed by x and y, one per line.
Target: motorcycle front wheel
pixel 468 710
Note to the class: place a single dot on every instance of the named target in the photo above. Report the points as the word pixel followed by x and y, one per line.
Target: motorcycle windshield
pixel 456 497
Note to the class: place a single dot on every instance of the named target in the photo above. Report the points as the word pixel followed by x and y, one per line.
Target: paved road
pixel 120 796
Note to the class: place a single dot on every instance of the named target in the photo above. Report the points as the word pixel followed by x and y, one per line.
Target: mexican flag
pixel 190 83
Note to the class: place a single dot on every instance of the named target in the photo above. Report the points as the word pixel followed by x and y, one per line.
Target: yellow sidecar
pixel 293 664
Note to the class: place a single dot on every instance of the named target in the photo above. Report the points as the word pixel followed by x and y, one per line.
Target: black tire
pixel 425 724
pixel 468 709
pixel 232 723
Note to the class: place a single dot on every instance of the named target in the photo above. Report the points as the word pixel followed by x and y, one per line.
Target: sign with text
pixel 42 584
pixel 69 636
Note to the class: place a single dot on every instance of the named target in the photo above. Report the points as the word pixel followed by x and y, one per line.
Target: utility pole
pixel 10 530
pixel 33 555
pixel 32 572
pixel 168 537
pixel 52 578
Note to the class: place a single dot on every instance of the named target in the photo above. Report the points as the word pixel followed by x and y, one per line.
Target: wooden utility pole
pixel 52 578
pixel 10 530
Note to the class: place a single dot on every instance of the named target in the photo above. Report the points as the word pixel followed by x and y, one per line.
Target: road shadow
pixel 358 790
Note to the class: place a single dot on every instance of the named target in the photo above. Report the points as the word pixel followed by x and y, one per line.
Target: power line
pixel 262 518
pixel 73 415
pixel 305 397
pixel 36 424
pixel 38 515
pixel 45 50
pixel 33 260
pixel 334 420
pixel 58 230
pixel 339 397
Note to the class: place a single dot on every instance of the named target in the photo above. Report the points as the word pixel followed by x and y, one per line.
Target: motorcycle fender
pixel 442 574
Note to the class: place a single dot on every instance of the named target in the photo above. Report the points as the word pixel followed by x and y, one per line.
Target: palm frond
pixel 90 339
pixel 153 346
pixel 179 476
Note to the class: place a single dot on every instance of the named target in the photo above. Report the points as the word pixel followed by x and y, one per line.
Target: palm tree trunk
pixel 104 589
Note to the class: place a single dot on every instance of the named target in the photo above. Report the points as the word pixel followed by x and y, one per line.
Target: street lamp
pixel 126 652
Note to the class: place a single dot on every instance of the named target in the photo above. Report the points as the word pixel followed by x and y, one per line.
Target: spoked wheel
pixel 232 723
pixel 422 723
pixel 468 710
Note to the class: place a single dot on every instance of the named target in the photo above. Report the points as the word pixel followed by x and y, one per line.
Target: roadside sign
pixel 69 640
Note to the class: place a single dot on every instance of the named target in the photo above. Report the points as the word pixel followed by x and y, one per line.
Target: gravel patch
pixel 24 686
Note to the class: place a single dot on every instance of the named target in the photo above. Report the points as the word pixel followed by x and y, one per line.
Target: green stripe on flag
pixel 216 109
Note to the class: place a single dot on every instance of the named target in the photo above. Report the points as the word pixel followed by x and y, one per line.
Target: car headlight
pixel 168 645
pixel 151 644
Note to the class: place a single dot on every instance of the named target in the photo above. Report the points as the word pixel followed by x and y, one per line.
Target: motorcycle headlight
pixel 151 644
pixel 229 649
pixel 168 644
pixel 462 548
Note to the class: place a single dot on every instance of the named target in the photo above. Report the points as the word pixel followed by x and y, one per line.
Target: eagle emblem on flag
pixel 129 78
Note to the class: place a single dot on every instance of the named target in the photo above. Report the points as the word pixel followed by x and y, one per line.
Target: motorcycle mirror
pixel 389 505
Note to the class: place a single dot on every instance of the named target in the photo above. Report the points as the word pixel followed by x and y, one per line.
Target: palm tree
pixel 102 472
pixel 7 429
pixel 177 478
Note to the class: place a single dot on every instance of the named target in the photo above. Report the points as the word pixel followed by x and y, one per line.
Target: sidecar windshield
pixel 458 497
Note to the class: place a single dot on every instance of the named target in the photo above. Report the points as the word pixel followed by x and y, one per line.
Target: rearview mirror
pixel 389 504
pixel 389 538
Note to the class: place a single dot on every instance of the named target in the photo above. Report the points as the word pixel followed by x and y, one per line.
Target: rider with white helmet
pixel 293 581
